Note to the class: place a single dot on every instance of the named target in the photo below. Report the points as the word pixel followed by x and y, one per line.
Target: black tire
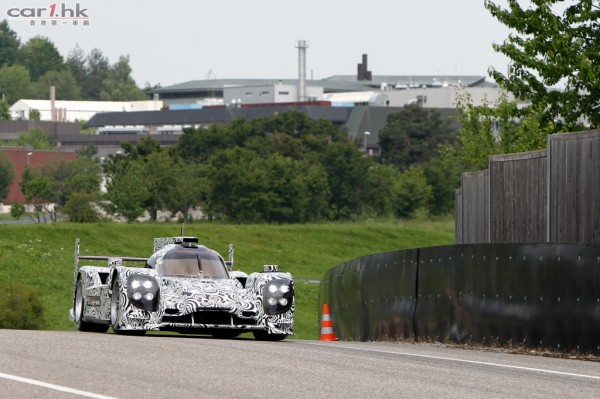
pixel 265 336
pixel 115 309
pixel 78 306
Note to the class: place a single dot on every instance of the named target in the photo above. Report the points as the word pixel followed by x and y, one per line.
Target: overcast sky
pixel 175 41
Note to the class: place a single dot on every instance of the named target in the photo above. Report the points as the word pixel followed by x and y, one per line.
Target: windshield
pixel 192 262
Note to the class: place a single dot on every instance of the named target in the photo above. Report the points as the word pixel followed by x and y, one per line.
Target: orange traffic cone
pixel 327 326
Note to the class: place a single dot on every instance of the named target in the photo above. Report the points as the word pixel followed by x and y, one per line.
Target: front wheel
pixel 78 307
pixel 116 311
pixel 115 306
pixel 265 336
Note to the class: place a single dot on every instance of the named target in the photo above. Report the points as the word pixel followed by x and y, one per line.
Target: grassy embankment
pixel 41 256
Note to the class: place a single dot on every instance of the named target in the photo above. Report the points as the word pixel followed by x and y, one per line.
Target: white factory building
pixel 74 111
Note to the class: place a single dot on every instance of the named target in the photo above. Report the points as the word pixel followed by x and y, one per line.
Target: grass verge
pixel 41 256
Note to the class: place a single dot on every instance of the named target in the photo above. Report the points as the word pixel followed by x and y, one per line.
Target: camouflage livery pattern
pixel 240 303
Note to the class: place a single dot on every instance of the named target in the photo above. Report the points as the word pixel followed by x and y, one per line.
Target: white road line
pixel 507 366
pixel 55 387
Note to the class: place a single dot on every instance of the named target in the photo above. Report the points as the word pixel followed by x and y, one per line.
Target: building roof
pixel 207 115
pixel 333 84
pixel 412 80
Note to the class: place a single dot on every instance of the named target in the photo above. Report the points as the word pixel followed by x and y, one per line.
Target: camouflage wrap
pixel 191 304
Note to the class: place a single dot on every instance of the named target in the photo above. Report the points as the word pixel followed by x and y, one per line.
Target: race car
pixel 183 287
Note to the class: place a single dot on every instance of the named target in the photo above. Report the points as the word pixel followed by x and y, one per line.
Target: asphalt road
pixel 52 364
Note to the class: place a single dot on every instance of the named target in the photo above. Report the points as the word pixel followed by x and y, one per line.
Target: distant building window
pixel 284 93
pixel 248 93
pixel 264 93
pixel 422 99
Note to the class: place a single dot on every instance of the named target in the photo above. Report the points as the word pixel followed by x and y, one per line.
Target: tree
pixel 237 185
pixel 39 55
pixel 66 184
pixel 443 175
pixel 38 194
pixel 141 149
pixel 89 151
pixel 15 83
pixel 287 192
pixel 379 182
pixel 126 191
pixel 79 208
pixel 35 138
pixel 411 136
pixel 97 67
pixel 188 188
pixel 17 210
pixel 68 177
pixel 199 144
pixel 490 129
pixel 317 194
pixel 66 86
pixel 7 174
pixel 551 48
pixel 34 115
pixel 4 110
pixel 76 63
pixel 160 172
pixel 9 44
pixel 410 192
pixel 118 84
pixel 346 170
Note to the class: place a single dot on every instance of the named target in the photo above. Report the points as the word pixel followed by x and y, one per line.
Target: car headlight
pixel 278 296
pixel 143 291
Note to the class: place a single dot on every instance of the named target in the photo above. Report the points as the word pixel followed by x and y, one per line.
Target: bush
pixel 80 208
pixel 410 192
pixel 21 309
pixel 17 210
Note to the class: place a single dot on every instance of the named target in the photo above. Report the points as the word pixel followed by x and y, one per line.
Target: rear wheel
pixel 265 336
pixel 78 307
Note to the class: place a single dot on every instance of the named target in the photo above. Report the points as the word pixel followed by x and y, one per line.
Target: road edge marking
pixel 478 362
pixel 53 386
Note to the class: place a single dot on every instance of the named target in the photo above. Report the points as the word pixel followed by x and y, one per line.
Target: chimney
pixel 363 72
pixel 52 104
pixel 302 46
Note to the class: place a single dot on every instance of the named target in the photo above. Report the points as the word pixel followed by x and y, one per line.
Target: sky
pixel 171 42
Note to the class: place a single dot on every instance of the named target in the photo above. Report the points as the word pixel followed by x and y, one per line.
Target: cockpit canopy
pixel 189 262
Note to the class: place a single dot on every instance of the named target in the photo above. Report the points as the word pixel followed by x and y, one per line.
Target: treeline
pixel 27 70
pixel 284 168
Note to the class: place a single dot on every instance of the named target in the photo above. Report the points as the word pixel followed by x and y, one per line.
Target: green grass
pixel 41 256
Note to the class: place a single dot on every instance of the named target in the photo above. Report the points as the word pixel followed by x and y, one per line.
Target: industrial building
pixel 360 103
pixel 74 111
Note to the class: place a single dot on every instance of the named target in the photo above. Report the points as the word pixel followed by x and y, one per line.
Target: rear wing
pixel 112 260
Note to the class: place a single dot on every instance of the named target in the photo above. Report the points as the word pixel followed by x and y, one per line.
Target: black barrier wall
pixel 535 295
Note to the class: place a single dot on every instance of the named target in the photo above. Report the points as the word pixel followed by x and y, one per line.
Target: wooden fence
pixel 551 195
